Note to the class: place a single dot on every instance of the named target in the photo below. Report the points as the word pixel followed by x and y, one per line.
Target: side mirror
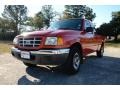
pixel 89 29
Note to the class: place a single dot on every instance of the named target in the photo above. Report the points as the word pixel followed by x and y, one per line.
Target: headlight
pixel 15 41
pixel 54 41
pixel 51 41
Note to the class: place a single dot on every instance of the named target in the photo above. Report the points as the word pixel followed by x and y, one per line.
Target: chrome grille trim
pixel 29 42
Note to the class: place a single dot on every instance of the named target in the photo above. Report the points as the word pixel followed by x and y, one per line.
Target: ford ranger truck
pixel 65 42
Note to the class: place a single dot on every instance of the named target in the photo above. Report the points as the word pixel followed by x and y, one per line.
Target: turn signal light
pixel 60 41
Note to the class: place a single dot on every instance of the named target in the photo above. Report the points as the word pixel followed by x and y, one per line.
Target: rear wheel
pixel 74 61
pixel 101 51
pixel 29 64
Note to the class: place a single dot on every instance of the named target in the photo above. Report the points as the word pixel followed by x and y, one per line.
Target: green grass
pixel 113 43
pixel 5 46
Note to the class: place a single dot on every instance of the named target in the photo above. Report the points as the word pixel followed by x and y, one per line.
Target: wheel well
pixel 99 48
pixel 102 44
pixel 78 45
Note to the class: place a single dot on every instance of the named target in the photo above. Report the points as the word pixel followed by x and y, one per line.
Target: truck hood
pixel 41 33
pixel 50 33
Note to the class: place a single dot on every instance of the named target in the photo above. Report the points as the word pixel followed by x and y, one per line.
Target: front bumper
pixel 43 57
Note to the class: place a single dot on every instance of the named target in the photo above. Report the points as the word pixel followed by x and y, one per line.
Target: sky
pixel 103 12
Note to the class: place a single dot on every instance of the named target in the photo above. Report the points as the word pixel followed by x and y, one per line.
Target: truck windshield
pixel 71 24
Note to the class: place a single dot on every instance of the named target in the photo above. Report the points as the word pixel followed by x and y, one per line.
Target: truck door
pixel 88 38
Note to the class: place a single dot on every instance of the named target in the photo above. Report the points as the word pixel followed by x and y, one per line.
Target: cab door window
pixel 88 26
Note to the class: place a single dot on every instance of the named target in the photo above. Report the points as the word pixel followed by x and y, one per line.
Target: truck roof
pixel 76 19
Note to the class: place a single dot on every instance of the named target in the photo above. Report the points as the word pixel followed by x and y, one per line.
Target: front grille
pixel 30 42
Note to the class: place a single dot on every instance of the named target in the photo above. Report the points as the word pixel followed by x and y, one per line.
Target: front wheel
pixel 74 61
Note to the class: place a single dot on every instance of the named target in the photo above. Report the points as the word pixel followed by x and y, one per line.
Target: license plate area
pixel 25 55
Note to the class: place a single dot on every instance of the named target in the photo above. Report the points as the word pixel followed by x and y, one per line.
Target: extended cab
pixel 65 42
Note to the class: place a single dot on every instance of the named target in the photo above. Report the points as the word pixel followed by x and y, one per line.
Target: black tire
pixel 74 60
pixel 29 65
pixel 100 52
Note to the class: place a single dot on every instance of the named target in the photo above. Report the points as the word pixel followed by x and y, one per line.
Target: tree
pixel 116 24
pixel 47 13
pixel 36 21
pixel 29 21
pixel 106 29
pixel 76 11
pixel 112 28
pixel 6 29
pixel 16 14
pixel 43 17
pixel 39 20
pixel 6 24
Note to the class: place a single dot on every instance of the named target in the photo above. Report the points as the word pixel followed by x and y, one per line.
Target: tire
pixel 29 65
pixel 74 61
pixel 100 52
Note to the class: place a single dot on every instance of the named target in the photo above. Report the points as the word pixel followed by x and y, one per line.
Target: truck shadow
pixel 102 71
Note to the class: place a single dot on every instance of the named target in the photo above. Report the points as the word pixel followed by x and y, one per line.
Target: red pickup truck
pixel 65 42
